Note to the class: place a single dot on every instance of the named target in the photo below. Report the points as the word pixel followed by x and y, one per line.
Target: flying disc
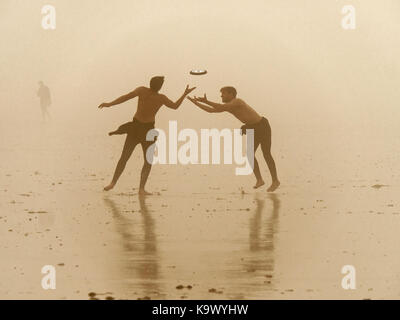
pixel 199 72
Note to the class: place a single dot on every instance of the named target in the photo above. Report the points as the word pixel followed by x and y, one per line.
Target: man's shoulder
pixel 161 96
pixel 141 89
pixel 146 90
pixel 237 102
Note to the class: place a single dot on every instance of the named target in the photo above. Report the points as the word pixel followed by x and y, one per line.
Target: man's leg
pixel 260 182
pixel 129 146
pixel 266 149
pixel 148 154
pixel 43 112
pixel 256 168
pixel 47 113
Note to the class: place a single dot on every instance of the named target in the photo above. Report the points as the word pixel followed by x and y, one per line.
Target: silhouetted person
pixel 150 101
pixel 45 99
pixel 252 120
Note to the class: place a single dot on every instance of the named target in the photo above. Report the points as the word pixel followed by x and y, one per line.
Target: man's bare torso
pixel 244 112
pixel 148 105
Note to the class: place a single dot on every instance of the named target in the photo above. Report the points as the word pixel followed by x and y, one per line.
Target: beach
pixel 204 234
pixel 324 74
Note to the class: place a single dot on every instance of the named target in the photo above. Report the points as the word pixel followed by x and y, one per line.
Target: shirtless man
pixel 150 101
pixel 252 120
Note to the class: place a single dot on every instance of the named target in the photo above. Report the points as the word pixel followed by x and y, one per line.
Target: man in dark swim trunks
pixel 252 120
pixel 150 101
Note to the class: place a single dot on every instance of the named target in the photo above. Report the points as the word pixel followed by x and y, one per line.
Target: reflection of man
pixel 136 247
pixel 252 120
pixel 45 99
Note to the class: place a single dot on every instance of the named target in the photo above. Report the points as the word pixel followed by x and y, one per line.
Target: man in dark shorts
pixel 252 120
pixel 150 101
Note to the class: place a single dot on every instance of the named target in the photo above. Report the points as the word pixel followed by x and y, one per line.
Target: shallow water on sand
pixel 206 234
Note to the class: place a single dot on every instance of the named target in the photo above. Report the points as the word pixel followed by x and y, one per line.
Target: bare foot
pixel 274 186
pixel 143 192
pixel 109 187
pixel 112 133
pixel 259 183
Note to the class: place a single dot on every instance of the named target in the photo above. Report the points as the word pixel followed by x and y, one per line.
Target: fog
pixel 291 60
pixel 331 96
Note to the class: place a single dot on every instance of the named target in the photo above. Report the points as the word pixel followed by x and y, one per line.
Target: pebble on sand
pixel 213 290
pixel 378 186
pixel 180 287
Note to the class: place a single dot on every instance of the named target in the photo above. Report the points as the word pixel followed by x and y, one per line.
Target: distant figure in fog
pixel 149 103
pixel 45 99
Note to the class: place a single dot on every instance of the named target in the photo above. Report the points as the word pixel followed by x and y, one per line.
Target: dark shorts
pixel 136 129
pixel 262 131
pixel 136 132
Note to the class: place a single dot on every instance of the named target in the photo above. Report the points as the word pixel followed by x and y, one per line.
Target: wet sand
pixel 206 234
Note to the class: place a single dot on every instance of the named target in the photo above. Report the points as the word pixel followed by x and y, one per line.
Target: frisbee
pixel 199 72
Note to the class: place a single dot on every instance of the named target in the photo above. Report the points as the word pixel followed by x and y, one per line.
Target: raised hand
pixel 104 105
pixel 201 99
pixel 189 90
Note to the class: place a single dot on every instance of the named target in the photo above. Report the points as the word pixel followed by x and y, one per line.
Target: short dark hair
pixel 156 83
pixel 230 90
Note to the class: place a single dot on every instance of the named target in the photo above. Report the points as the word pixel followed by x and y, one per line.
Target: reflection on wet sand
pixel 248 260
pixel 257 243
pixel 257 263
pixel 141 271
pixel 262 235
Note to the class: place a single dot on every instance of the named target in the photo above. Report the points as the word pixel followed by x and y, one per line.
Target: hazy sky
pixel 290 60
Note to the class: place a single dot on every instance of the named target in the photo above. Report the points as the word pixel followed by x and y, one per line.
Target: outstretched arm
pixel 175 105
pixel 217 106
pixel 204 107
pixel 122 99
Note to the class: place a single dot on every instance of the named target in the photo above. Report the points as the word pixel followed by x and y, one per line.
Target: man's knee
pixel 146 164
pixel 267 154
pixel 148 153
pixel 266 147
pixel 146 168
